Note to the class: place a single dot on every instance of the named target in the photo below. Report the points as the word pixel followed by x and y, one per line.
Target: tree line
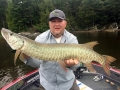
pixel 23 15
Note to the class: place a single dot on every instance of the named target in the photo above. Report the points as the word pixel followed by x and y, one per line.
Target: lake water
pixel 109 44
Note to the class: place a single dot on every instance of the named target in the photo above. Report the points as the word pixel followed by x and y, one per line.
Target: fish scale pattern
pixel 56 52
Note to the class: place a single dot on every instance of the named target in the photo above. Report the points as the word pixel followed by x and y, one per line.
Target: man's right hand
pixel 23 56
pixel 71 62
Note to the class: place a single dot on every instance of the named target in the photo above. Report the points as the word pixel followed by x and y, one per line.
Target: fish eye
pixel 11 34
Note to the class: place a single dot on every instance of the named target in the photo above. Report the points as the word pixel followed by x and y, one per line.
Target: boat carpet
pixel 99 85
pixel 87 80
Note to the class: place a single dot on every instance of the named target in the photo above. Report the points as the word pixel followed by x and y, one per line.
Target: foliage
pixel 2 13
pixel 22 15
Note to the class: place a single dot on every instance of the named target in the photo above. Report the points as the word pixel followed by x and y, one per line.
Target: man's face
pixel 57 27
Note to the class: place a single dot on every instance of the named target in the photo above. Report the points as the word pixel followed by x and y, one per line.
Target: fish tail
pixel 108 61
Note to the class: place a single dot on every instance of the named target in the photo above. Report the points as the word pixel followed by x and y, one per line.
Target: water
pixel 109 44
pixel 8 71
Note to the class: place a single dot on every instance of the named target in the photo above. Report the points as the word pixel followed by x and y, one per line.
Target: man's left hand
pixel 71 62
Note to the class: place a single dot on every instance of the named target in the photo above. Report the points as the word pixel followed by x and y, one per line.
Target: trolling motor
pixel 79 71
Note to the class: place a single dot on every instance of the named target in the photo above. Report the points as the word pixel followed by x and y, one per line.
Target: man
pixel 52 75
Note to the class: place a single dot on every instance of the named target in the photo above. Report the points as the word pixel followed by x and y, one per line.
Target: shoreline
pixel 33 34
pixel 107 30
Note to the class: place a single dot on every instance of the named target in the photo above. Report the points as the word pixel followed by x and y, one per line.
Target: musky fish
pixel 57 52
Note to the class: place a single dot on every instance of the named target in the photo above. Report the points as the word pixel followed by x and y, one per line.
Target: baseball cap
pixel 57 13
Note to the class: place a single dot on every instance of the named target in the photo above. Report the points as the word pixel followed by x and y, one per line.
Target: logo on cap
pixel 55 13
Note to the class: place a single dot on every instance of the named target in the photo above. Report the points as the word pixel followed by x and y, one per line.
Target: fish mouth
pixel 13 43
pixel 5 33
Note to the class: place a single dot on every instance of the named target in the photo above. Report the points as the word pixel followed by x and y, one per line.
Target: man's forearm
pixel 30 61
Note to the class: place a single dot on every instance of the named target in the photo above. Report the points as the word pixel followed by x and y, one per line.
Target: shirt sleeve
pixel 33 61
pixel 74 40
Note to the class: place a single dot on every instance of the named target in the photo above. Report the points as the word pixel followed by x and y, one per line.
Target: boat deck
pixel 86 80
pixel 99 85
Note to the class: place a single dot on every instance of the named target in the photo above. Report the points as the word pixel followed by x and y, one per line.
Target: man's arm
pixel 30 61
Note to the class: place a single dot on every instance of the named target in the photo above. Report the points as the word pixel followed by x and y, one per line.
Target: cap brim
pixel 55 17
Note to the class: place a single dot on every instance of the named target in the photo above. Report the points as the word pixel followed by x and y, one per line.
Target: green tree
pixel 2 13
pixel 22 14
pixel 45 6
pixel 81 14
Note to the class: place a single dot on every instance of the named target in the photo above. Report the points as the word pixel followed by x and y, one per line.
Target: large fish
pixel 57 52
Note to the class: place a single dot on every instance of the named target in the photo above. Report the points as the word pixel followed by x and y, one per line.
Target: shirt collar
pixel 63 39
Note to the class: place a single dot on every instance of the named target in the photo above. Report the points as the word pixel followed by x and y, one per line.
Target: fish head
pixel 13 39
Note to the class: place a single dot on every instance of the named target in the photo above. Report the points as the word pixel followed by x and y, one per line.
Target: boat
pixel 86 80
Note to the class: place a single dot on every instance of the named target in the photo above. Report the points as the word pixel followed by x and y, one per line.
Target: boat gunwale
pixel 18 79
pixel 35 71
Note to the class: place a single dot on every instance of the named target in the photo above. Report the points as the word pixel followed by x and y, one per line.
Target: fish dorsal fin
pixel 16 56
pixel 91 44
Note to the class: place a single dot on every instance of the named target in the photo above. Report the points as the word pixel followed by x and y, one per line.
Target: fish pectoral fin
pixel 91 44
pixel 16 56
pixel 63 65
pixel 90 67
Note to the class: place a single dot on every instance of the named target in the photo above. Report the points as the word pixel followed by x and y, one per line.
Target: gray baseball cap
pixel 57 13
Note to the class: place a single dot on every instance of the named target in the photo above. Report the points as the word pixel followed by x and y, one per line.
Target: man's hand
pixel 71 62
pixel 68 63
pixel 23 56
